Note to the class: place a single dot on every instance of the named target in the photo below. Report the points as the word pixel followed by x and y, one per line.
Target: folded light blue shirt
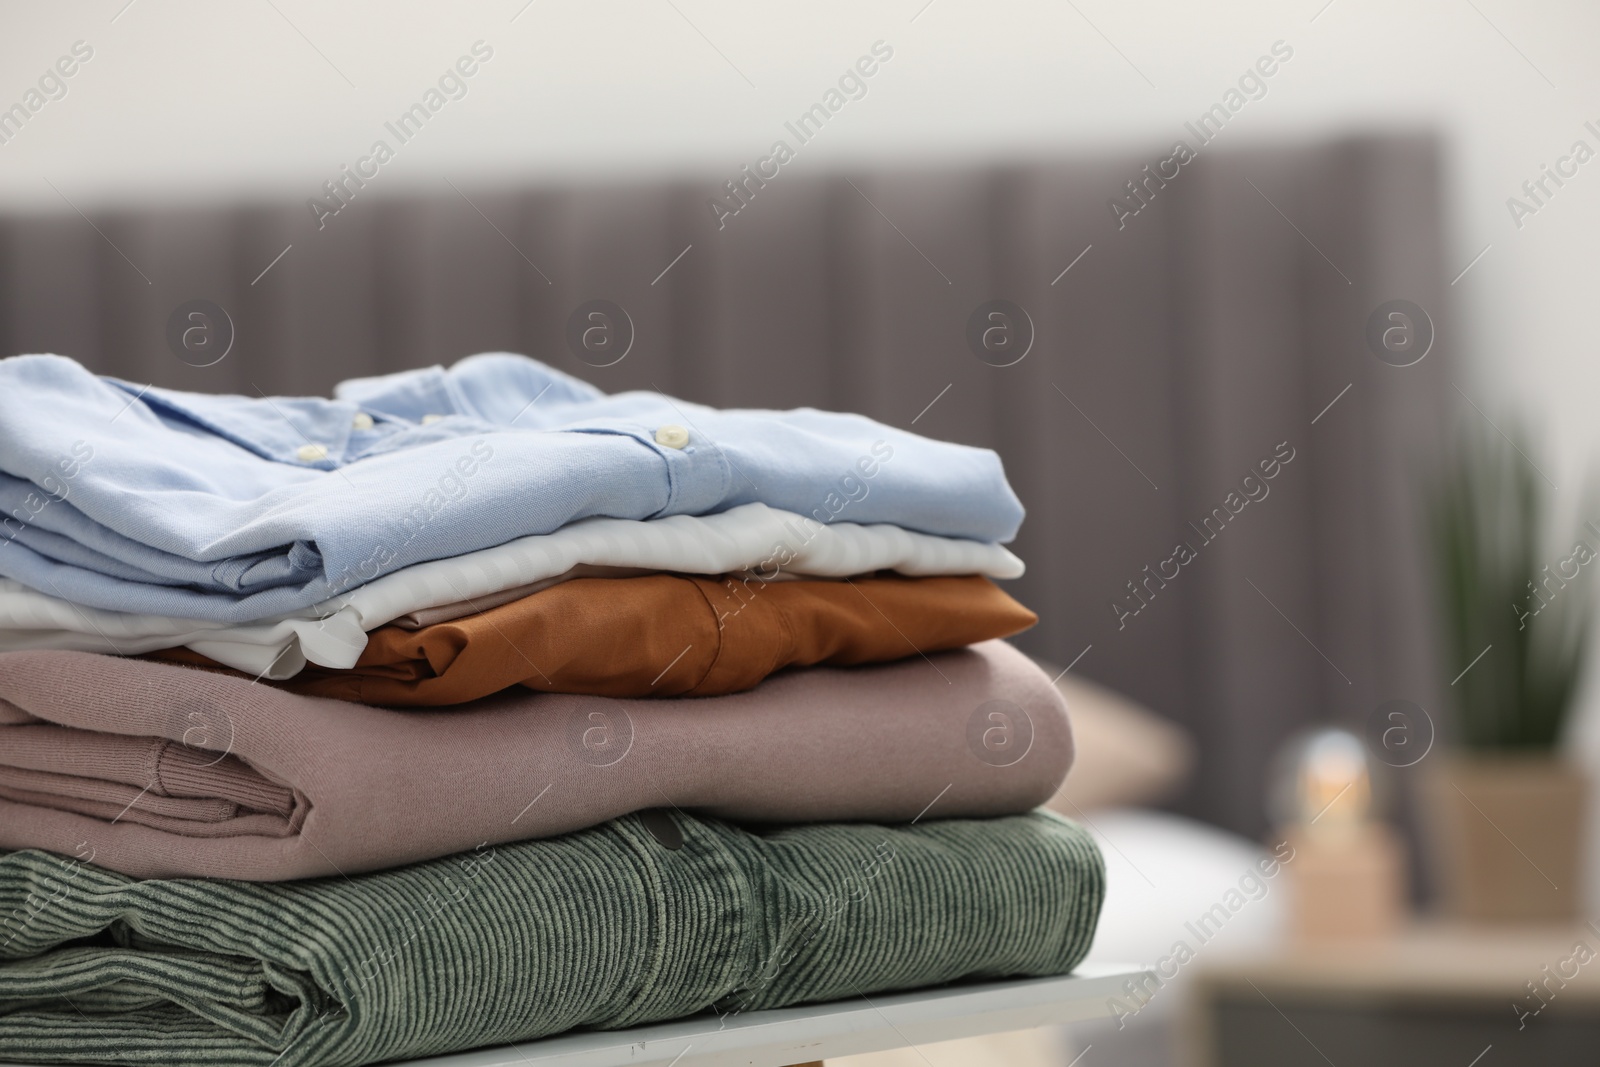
pixel 232 508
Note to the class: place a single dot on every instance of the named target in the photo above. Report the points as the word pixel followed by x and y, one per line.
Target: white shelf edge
pixel 821 1031
pixel 787 1036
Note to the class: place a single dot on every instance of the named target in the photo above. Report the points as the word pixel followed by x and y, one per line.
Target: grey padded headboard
pixel 1177 353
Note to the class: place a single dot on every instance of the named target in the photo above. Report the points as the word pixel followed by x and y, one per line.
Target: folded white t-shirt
pixel 752 537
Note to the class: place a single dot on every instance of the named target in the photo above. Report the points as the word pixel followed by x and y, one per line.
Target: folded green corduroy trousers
pixel 605 928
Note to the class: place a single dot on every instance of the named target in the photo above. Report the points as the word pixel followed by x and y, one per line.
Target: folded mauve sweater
pixel 605 928
pixel 164 771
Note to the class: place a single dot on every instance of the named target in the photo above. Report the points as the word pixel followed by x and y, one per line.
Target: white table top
pixel 820 1031
pixel 817 1031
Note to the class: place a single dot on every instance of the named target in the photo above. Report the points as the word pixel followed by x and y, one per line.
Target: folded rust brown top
pixel 663 635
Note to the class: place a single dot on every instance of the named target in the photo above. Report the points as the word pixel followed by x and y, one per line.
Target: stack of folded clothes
pixel 474 705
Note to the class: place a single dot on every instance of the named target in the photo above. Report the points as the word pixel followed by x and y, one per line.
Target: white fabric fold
pixel 752 537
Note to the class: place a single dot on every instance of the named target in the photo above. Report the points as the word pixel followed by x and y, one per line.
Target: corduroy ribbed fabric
pixel 606 928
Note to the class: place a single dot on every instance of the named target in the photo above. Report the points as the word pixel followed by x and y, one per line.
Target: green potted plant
pixel 1506 809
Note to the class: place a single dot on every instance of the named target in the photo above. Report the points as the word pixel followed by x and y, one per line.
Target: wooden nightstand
pixel 1433 995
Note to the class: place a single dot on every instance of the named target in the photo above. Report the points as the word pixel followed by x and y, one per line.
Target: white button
pixel 429 420
pixel 672 436
pixel 362 421
pixel 311 453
